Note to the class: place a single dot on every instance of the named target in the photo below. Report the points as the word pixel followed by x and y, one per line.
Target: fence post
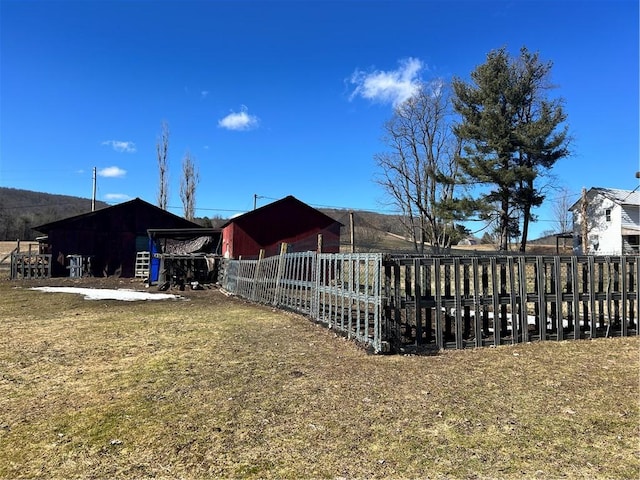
pixel 283 251
pixel 315 289
pixel 418 300
pixel 256 275
pixel 466 292
pixel 576 298
pixel 458 303
pixel 14 266
pixel 495 297
pixel 485 294
pixel 557 275
pixel 637 290
pixel 438 304
pixel 522 283
pixel 623 291
pixel 351 233
pixel 593 318
pixel 515 317
pixel 477 293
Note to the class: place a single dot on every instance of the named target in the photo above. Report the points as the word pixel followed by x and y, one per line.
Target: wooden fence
pixel 417 304
pixel 457 302
pixel 30 265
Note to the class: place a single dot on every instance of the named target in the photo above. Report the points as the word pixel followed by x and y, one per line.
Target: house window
pixel 607 214
pixel 631 244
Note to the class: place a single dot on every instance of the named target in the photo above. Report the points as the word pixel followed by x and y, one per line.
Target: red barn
pixel 287 220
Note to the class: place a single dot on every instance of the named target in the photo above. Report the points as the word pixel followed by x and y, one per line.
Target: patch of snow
pixel 109 294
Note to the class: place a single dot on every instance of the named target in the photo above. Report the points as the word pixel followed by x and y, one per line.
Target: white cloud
pixel 112 172
pixel 239 120
pixel 394 86
pixel 116 197
pixel 120 146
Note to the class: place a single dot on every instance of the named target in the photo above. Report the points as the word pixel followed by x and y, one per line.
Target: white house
pixel 613 222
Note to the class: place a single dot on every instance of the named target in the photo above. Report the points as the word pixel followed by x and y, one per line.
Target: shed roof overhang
pixel 630 230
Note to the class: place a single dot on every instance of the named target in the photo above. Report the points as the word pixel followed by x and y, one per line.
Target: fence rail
pixel 408 303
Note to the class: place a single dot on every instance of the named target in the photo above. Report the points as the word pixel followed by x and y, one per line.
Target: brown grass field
pixel 7 247
pixel 213 387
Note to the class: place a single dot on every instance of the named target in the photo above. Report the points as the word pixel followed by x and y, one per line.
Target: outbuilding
pixel 287 220
pixel 106 241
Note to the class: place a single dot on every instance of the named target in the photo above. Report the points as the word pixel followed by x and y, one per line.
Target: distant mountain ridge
pixel 21 210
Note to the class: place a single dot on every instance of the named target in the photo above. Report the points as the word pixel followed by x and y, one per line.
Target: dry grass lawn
pixel 214 387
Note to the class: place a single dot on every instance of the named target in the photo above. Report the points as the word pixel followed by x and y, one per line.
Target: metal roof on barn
pixel 270 223
pixel 134 216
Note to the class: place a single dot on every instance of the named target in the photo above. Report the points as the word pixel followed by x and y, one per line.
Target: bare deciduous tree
pixel 584 221
pixel 188 184
pixel 162 150
pixel 420 172
pixel 561 214
pixel 589 220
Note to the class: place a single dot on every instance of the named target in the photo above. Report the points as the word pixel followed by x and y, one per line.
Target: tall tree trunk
pixel 584 225
pixel 525 228
pixel 504 226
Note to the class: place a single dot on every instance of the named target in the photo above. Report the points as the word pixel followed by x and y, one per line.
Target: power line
pixel 52 205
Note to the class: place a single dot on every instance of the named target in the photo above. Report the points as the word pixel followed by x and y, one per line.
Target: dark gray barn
pixel 107 239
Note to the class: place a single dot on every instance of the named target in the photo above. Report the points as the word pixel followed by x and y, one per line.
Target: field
pixel 209 386
pixel 7 247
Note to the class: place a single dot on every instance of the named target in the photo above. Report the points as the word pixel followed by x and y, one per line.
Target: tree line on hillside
pixel 22 210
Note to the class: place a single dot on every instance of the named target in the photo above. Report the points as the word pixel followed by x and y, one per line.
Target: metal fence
pixel 408 303
pixel 341 291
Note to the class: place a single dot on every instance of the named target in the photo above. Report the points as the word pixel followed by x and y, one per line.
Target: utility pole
pixel 93 196
pixel 255 199
pixel 351 233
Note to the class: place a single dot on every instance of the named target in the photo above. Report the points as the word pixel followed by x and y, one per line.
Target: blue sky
pixel 276 98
